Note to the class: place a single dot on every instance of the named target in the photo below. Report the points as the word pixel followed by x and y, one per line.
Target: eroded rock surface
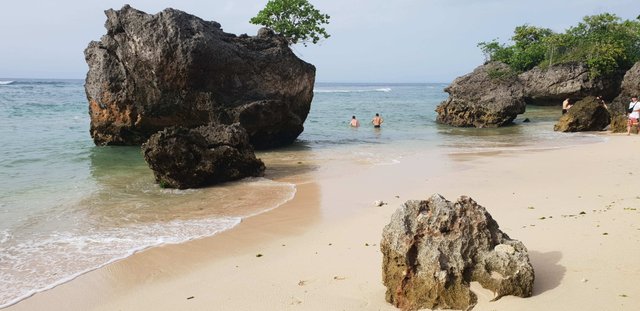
pixel 490 96
pixel 587 114
pixel 552 85
pixel 433 249
pixel 149 72
pixel 190 158
pixel 630 87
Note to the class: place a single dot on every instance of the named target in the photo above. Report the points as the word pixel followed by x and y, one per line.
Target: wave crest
pixel 384 89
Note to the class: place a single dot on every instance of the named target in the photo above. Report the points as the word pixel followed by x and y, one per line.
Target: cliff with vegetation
pixel 542 67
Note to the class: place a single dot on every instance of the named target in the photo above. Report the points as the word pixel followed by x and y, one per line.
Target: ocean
pixel 68 207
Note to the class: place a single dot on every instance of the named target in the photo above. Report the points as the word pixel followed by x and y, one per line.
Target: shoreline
pixel 326 228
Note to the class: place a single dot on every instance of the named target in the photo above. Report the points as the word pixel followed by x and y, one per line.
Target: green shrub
pixel 604 42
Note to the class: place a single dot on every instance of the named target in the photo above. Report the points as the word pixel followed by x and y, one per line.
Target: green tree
pixel 604 42
pixel 296 20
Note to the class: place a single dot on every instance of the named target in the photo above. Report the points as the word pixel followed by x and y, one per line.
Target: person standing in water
pixel 354 122
pixel 377 121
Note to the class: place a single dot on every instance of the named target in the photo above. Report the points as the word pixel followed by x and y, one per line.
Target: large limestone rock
pixel 490 96
pixel 552 85
pixel 433 249
pixel 190 158
pixel 630 87
pixel 154 71
pixel 587 114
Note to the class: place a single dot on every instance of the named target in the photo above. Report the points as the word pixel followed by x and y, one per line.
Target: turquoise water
pixel 67 206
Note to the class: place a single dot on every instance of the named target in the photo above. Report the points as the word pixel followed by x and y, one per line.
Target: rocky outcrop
pixel 150 72
pixel 552 85
pixel 433 249
pixel 190 158
pixel 587 114
pixel 493 90
pixel 630 87
pixel 490 96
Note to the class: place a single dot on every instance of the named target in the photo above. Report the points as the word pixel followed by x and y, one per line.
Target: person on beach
pixel 566 104
pixel 377 121
pixel 602 102
pixel 634 115
pixel 354 122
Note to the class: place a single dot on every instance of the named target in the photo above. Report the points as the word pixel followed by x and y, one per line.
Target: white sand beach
pixel 577 210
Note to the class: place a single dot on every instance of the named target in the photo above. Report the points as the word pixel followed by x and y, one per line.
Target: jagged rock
pixel 619 124
pixel 490 96
pixel 587 114
pixel 150 72
pixel 433 249
pixel 552 85
pixel 630 87
pixel 190 158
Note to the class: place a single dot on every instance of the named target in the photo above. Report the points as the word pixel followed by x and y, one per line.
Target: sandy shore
pixel 576 209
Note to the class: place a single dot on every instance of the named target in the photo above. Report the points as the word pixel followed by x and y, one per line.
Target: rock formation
pixel 493 89
pixel 552 85
pixel 190 158
pixel 150 72
pixel 630 87
pixel 487 97
pixel 433 249
pixel 587 114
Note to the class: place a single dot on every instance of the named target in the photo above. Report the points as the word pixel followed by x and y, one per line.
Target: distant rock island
pixel 150 72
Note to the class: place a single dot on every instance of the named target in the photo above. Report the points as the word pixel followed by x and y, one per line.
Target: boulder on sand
pixel 190 158
pixel 433 249
pixel 587 114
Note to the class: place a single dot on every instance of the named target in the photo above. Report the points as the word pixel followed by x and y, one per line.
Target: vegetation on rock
pixel 296 20
pixel 604 42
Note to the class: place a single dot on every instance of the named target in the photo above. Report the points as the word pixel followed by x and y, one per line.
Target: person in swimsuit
pixel 566 104
pixel 377 121
pixel 354 122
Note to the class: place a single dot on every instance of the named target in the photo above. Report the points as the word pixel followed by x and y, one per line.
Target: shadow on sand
pixel 549 273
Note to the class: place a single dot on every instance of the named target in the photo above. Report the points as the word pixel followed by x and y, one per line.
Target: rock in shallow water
pixel 433 249
pixel 150 72
pixel 190 158
pixel 490 96
pixel 587 114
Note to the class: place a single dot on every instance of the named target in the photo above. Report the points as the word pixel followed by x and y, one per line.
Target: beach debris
pixel 605 233
pixel 258 255
pixel 584 280
pixel 366 244
pixel 623 295
pixel 190 297
pixel 339 278
pixel 542 218
pixel 582 213
pixel 379 203
pixel 302 283
pixel 424 265
pixel 531 207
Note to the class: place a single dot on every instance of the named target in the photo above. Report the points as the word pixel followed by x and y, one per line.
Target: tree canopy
pixel 604 42
pixel 296 20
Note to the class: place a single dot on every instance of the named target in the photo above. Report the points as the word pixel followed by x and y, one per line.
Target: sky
pixel 387 41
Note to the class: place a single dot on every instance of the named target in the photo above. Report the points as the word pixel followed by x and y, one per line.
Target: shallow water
pixel 67 206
